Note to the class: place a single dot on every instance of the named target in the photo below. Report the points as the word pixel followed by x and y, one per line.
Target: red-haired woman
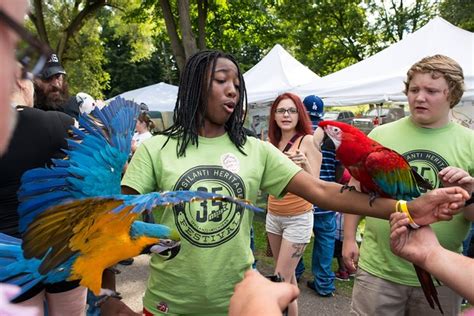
pixel 290 220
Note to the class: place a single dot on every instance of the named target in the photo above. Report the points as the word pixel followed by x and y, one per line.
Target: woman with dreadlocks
pixel 206 149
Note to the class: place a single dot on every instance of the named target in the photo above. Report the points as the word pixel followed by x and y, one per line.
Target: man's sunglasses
pixel 36 53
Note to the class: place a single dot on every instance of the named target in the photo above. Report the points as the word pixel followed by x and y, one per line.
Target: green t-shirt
pixel 215 236
pixel 428 151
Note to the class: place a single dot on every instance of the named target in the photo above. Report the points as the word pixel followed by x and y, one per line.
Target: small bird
pixel 73 219
pixel 381 172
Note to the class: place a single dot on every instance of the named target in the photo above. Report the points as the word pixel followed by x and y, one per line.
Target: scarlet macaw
pixel 380 171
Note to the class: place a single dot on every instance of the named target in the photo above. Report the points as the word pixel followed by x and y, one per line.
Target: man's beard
pixel 51 101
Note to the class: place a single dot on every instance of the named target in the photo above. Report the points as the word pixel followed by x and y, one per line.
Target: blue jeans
pixel 467 242
pixel 324 229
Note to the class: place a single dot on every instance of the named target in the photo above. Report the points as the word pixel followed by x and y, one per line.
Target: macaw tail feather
pixel 14 268
pixel 428 287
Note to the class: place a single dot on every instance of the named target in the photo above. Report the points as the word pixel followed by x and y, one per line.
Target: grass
pixel 343 288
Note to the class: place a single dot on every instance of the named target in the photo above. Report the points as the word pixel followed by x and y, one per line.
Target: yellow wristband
pixel 401 206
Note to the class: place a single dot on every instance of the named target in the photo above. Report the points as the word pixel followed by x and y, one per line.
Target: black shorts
pixel 50 288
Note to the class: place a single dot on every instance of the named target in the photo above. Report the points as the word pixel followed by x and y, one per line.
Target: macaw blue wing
pixel 16 269
pixel 96 155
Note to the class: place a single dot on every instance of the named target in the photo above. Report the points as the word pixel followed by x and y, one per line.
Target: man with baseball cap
pixel 52 91
pixel 315 108
pixel 324 227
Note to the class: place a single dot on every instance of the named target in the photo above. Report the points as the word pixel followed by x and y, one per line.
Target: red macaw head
pixel 338 131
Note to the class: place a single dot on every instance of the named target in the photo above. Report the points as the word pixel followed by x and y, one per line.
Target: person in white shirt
pixel 142 130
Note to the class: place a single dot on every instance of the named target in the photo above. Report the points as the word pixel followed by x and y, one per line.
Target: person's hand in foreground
pixel 421 247
pixel 413 245
pixel 438 205
pixel 7 292
pixel 256 295
pixel 115 307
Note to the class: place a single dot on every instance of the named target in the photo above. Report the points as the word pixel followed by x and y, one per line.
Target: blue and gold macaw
pixel 74 221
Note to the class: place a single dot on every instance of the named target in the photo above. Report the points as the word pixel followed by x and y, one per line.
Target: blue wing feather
pixel 97 153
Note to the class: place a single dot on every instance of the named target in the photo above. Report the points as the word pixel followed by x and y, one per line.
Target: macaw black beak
pixel 166 248
pixel 172 252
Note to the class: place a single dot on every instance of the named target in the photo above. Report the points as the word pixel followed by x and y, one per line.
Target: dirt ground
pixel 131 284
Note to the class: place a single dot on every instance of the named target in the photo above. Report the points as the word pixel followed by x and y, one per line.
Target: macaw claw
pixel 347 187
pixel 372 197
pixel 104 296
pixel 114 270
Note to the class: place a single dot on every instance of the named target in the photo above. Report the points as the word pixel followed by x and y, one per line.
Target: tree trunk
pixel 203 6
pixel 189 41
pixel 76 24
pixel 38 20
pixel 176 45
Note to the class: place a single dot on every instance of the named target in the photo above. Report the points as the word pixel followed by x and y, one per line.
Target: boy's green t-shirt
pixel 215 235
pixel 428 151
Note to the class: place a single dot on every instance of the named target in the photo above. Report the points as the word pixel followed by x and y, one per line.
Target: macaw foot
pixel 347 187
pixel 105 294
pixel 372 197
pixel 114 270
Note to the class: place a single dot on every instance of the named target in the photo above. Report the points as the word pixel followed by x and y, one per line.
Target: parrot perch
pixel 74 221
pixel 381 172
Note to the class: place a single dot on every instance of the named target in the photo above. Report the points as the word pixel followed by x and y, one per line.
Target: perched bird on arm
pixel 381 172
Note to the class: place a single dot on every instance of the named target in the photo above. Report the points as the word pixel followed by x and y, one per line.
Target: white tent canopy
pixel 276 73
pixel 380 77
pixel 159 97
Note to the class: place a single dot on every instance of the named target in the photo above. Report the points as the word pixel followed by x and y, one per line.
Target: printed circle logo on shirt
pixel 209 223
pixel 427 164
pixel 230 162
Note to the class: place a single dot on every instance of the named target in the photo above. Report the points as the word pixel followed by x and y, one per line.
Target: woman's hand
pixel 298 157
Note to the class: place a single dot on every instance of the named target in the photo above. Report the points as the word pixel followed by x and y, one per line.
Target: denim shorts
pixel 295 229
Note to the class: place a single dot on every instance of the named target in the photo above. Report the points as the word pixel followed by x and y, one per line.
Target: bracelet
pixel 401 206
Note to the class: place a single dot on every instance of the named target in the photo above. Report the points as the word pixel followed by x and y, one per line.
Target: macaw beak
pixel 172 252
pixel 166 247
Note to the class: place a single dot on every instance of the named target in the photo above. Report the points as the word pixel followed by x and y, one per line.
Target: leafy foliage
pixel 459 12
pixel 123 45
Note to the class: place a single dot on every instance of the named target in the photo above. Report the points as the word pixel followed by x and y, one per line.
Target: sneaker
pixel 342 276
pixel 330 294
pixel 310 284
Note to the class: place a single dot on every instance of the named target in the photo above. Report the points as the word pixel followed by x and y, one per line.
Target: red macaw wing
pixel 392 174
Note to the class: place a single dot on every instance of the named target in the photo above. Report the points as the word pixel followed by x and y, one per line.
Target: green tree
pixel 126 72
pixel 243 28
pixel 71 28
pixel 459 13
pixel 395 18
pixel 326 35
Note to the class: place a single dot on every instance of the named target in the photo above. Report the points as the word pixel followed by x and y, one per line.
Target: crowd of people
pixel 207 148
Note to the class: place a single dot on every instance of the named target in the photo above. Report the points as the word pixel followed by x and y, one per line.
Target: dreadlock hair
pixel 194 87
